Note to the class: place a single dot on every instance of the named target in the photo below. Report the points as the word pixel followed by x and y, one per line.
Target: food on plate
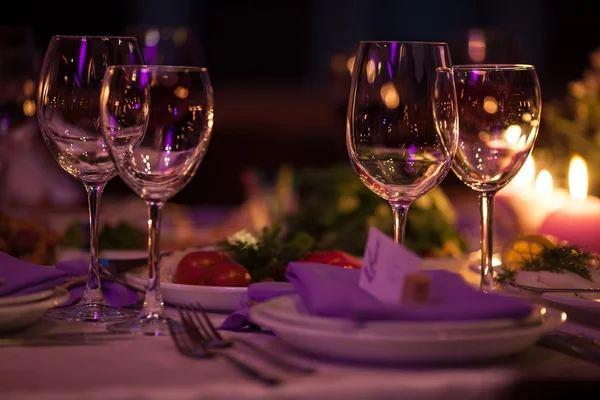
pixel 534 253
pixel 416 288
pixel 267 255
pixel 28 240
pixel 522 248
pixel 210 268
pixel 333 257
pixel 337 210
pixel 229 274
pixel 121 236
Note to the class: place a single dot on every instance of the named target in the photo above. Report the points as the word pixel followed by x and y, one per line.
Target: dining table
pixel 149 367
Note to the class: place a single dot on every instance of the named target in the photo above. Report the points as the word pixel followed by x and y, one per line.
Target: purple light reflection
pixel 81 62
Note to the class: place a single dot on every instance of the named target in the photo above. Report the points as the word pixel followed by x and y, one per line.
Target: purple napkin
pixel 24 278
pixel 257 293
pixel 334 292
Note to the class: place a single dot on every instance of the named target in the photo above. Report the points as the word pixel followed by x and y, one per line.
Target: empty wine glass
pixel 402 125
pixel 69 116
pixel 499 113
pixel 170 145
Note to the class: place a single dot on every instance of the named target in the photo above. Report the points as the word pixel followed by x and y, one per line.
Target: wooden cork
pixel 416 288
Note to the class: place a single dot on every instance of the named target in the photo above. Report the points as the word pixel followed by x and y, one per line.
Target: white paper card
pixel 385 264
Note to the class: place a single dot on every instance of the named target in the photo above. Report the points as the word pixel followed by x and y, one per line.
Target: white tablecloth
pixel 151 368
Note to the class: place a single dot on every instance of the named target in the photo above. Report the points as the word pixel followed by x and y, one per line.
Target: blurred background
pixel 281 70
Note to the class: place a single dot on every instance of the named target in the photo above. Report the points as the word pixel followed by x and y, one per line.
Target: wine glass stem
pixel 400 211
pixel 486 207
pixel 153 303
pixel 93 288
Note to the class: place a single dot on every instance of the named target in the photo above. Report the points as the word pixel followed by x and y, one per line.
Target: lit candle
pixel 577 221
pixel 531 202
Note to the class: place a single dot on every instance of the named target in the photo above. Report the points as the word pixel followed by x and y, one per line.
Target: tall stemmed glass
pixel 499 113
pixel 402 125
pixel 180 105
pixel 69 116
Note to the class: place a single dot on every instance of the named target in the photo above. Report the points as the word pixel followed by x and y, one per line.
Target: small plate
pixel 213 298
pixel 19 316
pixel 27 298
pixel 367 346
pixel 589 301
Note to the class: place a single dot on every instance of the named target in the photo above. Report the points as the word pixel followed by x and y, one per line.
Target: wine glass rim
pixel 160 67
pixel 404 42
pixel 493 67
pixel 93 37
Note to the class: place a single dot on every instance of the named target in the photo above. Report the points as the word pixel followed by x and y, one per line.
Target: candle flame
pixel 526 174
pixel 544 183
pixel 578 178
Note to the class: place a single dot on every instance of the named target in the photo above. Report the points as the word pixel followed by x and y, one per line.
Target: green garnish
pixel 265 257
pixel 558 259
pixel 561 259
pixel 123 236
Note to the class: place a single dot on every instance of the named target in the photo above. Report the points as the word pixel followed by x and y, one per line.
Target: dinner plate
pixel 19 316
pixel 362 345
pixel 212 298
pixel 291 310
pixel 26 298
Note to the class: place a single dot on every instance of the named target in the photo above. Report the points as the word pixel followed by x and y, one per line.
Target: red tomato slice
pixel 334 257
pixel 229 274
pixel 196 268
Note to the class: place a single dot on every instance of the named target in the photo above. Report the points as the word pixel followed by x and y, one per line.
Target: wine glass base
pixel 147 324
pixel 92 312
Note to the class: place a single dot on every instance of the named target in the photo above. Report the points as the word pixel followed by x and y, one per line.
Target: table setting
pixel 348 282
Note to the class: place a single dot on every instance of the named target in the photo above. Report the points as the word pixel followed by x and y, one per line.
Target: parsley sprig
pixel 267 255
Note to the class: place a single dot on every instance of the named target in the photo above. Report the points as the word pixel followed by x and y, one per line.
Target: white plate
pixel 26 298
pixel 289 309
pixel 20 316
pixel 592 302
pixel 366 346
pixel 213 298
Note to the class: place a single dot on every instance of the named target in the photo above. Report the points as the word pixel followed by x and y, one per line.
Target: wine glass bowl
pixel 165 114
pixel 499 119
pixel 69 118
pixel 499 112
pixel 401 131
pixel 69 102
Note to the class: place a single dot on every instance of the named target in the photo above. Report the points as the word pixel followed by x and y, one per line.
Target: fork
pixel 214 340
pixel 555 290
pixel 191 343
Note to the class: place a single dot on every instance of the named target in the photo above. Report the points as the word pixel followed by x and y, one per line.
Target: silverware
pixel 554 290
pixel 191 343
pixel 214 340
pixel 63 339
pixel 580 346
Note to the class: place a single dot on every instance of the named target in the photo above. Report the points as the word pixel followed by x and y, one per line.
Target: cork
pixel 416 288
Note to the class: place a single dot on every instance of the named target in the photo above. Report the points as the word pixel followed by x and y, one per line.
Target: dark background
pixel 277 99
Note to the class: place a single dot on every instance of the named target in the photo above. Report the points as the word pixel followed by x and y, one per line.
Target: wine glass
pixel 69 116
pixel 499 115
pixel 402 123
pixel 159 163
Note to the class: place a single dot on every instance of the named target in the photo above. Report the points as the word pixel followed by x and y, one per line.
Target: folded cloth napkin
pixel 331 291
pixel 334 292
pixel 257 293
pixel 22 278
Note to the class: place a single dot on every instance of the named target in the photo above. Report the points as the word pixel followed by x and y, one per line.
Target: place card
pixel 385 265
